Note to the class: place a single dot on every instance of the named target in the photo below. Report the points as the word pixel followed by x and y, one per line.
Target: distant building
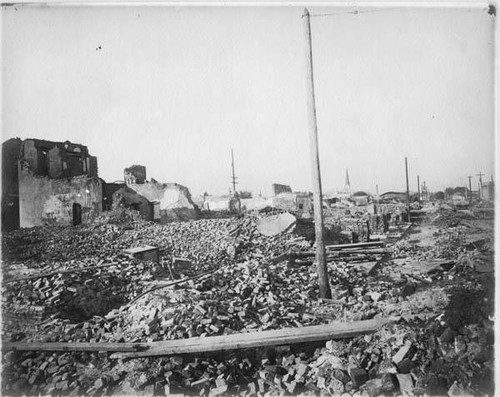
pixel 341 195
pixel 298 203
pixel 459 199
pixel 345 193
pixel 488 191
pixel 226 203
pixel 438 196
pixel 360 198
pixel 48 183
pixel 256 203
pixel 277 189
pixel 347 184
pixel 390 197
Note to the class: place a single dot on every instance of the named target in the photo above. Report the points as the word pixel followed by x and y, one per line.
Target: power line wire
pixel 354 12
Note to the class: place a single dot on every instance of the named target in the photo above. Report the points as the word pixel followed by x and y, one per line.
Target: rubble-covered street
pixel 233 200
pixel 431 282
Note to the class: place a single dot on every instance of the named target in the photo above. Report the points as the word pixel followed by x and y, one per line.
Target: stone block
pixel 406 366
pixel 378 386
pixel 358 376
pixel 341 375
pixel 144 253
pixel 456 390
pixel 408 289
pixel 402 353
pixel 406 383
pixel 448 335
pixel 99 384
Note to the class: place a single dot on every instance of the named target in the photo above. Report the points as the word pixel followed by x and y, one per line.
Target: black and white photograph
pixel 249 199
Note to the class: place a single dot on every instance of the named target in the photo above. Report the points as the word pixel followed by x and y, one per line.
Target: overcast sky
pixel 175 88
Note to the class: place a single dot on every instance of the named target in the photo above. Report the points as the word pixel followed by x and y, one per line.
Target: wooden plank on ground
pixel 279 258
pixel 367 266
pixel 307 254
pixel 71 346
pixel 356 245
pixel 356 252
pixel 377 265
pixel 54 272
pixel 285 336
pixel 407 226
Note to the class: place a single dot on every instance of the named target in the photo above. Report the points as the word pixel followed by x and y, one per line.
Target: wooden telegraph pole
pixel 480 175
pixel 418 184
pixel 470 188
pixel 407 190
pixel 233 177
pixel 324 285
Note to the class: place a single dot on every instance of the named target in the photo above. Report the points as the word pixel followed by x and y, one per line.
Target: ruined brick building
pixel 48 183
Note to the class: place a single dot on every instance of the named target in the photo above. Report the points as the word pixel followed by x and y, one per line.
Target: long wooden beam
pixel 54 272
pixel 285 336
pixel 333 254
pixel 356 252
pixel 356 245
pixel 71 346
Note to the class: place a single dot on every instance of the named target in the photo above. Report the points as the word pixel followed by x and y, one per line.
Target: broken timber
pixel 285 336
pixel 356 245
pixel 362 251
pixel 375 251
pixel 70 346
pixel 345 249
pixel 53 273
pixel 170 284
pixel 402 231
pixel 145 253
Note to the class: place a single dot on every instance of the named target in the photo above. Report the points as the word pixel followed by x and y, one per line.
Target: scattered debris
pixel 68 289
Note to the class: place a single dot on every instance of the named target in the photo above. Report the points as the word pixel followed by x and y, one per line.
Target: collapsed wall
pixel 163 202
pixel 176 203
pixel 134 174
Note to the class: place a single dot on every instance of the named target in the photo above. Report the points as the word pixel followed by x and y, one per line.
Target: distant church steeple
pixel 347 185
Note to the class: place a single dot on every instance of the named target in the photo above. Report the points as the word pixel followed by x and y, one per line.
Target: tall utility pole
pixel 418 184
pixel 324 285
pixel 480 175
pixel 233 178
pixel 470 187
pixel 407 190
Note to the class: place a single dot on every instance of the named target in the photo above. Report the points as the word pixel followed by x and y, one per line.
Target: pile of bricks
pixel 246 292
pixel 78 294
